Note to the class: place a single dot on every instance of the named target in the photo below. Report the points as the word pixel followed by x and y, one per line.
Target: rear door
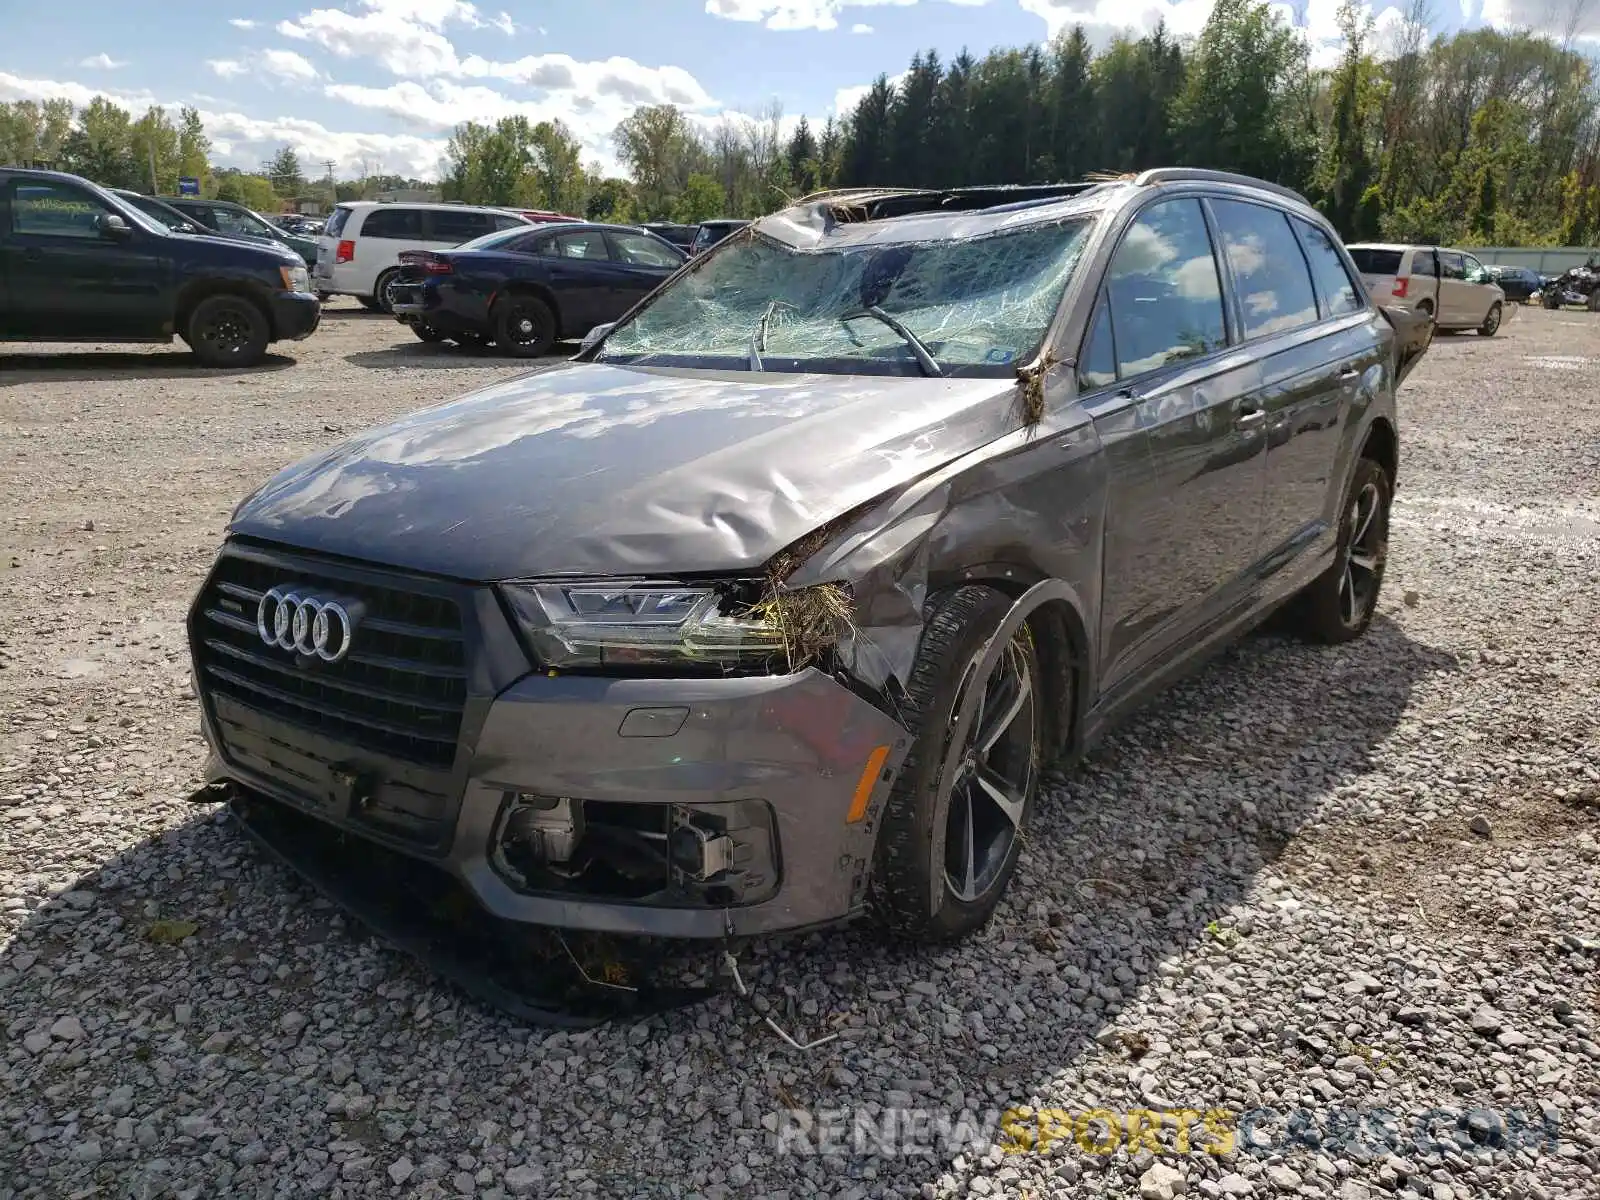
pixel 1380 267
pixel 1186 449
pixel 68 279
pixel 641 262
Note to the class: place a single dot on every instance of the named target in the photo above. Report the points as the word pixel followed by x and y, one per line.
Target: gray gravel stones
pixel 1259 912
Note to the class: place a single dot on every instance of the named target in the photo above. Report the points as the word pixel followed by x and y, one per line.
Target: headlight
pixel 639 624
pixel 295 279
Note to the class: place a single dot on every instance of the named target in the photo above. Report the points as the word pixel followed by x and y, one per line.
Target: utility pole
pixel 333 192
pixel 155 188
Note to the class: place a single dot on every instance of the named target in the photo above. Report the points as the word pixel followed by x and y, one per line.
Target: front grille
pixel 399 692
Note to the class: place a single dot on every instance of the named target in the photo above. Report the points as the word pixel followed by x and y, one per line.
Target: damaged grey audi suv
pixel 767 609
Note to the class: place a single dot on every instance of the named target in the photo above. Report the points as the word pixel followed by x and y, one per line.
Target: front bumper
pixel 295 315
pixel 800 745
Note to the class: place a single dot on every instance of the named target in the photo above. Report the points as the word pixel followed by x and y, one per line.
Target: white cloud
pixel 227 68
pixel 242 23
pixel 796 14
pixel 102 62
pixel 288 66
pixel 402 46
pixel 1183 17
pixel 860 28
pixel 1560 19
pixel 846 98
pixel 504 24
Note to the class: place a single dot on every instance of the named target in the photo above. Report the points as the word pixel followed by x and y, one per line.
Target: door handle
pixel 1349 373
pixel 1251 414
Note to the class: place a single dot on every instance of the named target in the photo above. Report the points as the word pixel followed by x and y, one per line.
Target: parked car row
pixel 81 263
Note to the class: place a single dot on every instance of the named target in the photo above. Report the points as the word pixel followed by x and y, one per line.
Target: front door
pixel 71 280
pixel 1186 444
pixel 1462 305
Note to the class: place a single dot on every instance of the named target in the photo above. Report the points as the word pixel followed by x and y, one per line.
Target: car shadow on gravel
pixel 1135 855
pixel 413 353
pixel 85 366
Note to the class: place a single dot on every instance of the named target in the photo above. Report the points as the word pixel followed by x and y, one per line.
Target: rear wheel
pixel 1491 323
pixel 524 326
pixel 381 299
pixel 1425 306
pixel 227 331
pixel 953 825
pixel 1339 605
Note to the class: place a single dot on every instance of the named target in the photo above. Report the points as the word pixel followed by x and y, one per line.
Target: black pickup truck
pixel 79 264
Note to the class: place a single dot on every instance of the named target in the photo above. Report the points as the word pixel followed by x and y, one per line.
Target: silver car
pixel 1451 286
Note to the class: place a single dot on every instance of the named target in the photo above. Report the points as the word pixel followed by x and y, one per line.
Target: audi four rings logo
pixel 304 624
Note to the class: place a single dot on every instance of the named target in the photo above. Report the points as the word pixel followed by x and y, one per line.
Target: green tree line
pixel 1480 138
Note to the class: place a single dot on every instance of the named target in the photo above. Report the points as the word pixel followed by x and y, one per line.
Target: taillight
pixel 1400 286
pixel 346 251
pixel 434 266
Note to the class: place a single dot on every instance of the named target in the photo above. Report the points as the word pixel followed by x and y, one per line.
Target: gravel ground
pixel 1343 902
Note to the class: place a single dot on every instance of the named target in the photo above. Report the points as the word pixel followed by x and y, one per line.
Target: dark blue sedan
pixel 525 288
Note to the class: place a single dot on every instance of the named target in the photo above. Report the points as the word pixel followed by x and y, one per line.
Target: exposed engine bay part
pixel 1576 285
pixel 701 856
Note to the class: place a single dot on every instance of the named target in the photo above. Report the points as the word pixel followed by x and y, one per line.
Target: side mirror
pixel 112 226
pixel 594 335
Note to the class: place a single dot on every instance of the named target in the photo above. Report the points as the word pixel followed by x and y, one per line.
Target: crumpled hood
pixel 593 469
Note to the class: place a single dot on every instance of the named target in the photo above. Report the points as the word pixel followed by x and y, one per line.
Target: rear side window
pixel 403 223
pixel 1376 262
pixel 1335 288
pixel 1269 272
pixel 1451 265
pixel 457 227
pixel 1166 299
pixel 640 250
pixel 589 245
pixel 54 209
pixel 336 222
pixel 505 221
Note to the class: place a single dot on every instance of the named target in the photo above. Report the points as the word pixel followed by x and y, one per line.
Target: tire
pixel 1329 610
pixel 1491 322
pixel 227 331
pixel 925 823
pixel 425 331
pixel 380 291
pixel 524 326
pixel 1425 306
pixel 1550 299
pixel 1593 303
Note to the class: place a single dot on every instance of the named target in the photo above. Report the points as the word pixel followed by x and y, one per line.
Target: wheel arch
pixel 1054 613
pixel 528 287
pixel 203 289
pixel 1382 445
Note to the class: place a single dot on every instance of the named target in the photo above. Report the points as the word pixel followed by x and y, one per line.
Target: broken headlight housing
pixel 579 625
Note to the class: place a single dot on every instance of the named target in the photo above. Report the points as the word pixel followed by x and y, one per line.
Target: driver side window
pixel 55 210
pixel 1165 293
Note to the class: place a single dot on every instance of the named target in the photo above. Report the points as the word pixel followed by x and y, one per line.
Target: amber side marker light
pixel 869 777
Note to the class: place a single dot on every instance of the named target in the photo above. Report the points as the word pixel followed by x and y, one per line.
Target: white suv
pixel 1449 285
pixel 358 252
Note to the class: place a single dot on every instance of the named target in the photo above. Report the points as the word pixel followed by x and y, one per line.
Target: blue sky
pixel 379 83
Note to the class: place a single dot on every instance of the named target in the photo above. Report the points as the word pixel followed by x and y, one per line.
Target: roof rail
pixel 1201 175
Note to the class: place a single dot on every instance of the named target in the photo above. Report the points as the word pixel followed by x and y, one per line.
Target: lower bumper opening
pixel 530 972
pixel 720 855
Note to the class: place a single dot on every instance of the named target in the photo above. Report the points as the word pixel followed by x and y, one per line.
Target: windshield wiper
pixel 758 339
pixel 925 360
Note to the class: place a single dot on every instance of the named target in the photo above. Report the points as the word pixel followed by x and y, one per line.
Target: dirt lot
pixel 1330 883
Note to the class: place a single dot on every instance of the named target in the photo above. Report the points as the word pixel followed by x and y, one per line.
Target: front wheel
pixel 1491 323
pixel 524 326
pixel 227 331
pixel 1339 605
pixel 953 824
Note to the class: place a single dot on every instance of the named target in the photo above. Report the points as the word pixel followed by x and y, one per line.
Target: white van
pixel 358 252
pixel 1449 285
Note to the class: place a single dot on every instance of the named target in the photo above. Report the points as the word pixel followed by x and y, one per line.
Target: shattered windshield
pixel 974 305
